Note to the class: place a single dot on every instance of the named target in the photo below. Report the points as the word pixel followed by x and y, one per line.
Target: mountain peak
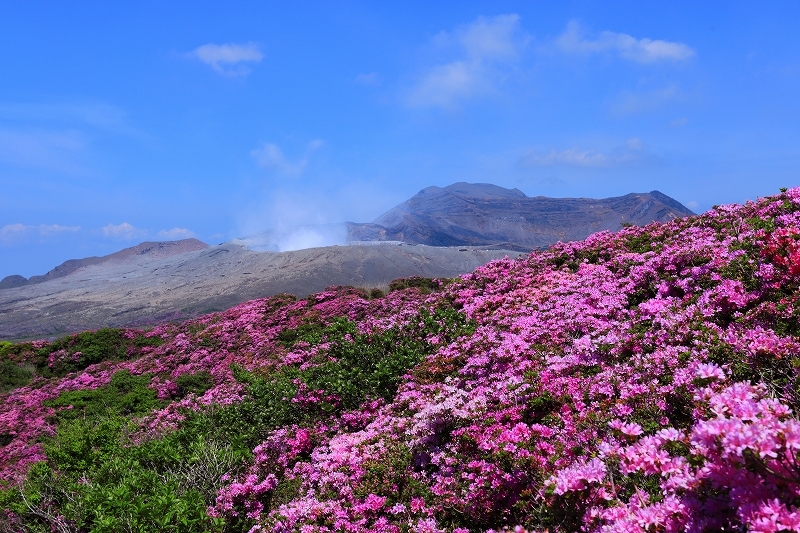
pixel 482 214
pixel 483 190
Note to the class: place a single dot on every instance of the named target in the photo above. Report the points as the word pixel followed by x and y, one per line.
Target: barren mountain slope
pixel 142 290
pixel 145 249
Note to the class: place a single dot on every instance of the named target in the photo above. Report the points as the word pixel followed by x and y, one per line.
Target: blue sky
pixel 124 122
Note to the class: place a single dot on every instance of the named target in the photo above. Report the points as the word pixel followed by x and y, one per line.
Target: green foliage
pixel 92 346
pixel 21 362
pixel 141 341
pixel 767 224
pixel 367 366
pixel 425 285
pixel 13 375
pixel 648 417
pixel 375 293
pixel 538 408
pixel 309 332
pixel 392 474
pixel 197 383
pixel 639 244
pixel 100 483
pixel 641 294
pixel 125 395
pixel 100 480
pixel 354 368
pixel 742 268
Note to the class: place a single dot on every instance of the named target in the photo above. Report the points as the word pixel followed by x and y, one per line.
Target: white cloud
pixel 124 231
pixel 632 151
pixel 271 157
pixel 642 50
pixel 55 229
pixel 12 232
pixel 175 234
pixel 487 48
pixel 679 122
pixel 229 58
pixel 693 205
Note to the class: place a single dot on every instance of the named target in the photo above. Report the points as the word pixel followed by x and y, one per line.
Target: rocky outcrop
pixel 9 282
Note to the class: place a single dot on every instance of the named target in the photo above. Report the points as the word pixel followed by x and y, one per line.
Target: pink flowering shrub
pixel 644 380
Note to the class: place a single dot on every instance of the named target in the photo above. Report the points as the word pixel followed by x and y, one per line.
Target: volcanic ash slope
pixel 144 290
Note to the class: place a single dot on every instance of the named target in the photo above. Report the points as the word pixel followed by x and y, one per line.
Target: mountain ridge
pixel 478 214
pixel 148 248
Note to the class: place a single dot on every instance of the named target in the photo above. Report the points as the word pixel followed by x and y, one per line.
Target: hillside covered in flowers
pixel 645 380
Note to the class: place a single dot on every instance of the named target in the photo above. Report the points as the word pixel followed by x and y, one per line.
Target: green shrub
pixel 100 480
pixel 426 285
pixel 354 368
pixel 13 375
pixel 125 395
pixel 197 383
pixel 94 346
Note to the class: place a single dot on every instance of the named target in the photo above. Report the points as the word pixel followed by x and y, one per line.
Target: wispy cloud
pixel 43 149
pixel 14 232
pixel 488 47
pixel 632 151
pixel 271 157
pixel 175 234
pixel 373 79
pixel 57 136
pixel 571 157
pixel 229 59
pixel 105 117
pixel 633 102
pixel 124 231
pixel 644 50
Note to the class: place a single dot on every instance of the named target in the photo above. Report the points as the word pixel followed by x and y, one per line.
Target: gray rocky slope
pixel 141 290
pixel 482 214
pixel 151 250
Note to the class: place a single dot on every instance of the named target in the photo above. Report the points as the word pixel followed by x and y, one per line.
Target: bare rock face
pixel 480 214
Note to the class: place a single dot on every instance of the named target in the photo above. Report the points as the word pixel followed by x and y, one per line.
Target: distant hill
pixel 479 214
pixel 144 290
pixel 146 249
